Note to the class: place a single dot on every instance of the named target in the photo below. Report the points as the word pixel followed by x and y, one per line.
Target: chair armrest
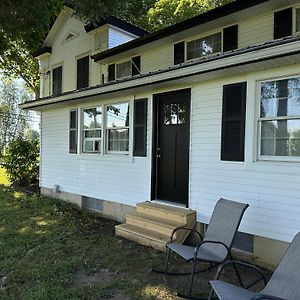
pixel 210 242
pixel 186 229
pixel 266 297
pixel 243 264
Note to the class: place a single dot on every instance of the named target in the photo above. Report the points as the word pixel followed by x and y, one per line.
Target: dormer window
pixel 83 72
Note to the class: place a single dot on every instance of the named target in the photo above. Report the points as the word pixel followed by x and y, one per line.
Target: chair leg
pixel 238 276
pixel 192 278
pixel 167 260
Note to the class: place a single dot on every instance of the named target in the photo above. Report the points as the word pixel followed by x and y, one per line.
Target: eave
pixel 269 55
pixel 42 50
pixel 209 16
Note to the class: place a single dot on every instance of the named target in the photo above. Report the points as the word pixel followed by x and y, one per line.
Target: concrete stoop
pixel 152 224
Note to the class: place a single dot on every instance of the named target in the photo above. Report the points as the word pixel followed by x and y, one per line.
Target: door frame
pixel 155 119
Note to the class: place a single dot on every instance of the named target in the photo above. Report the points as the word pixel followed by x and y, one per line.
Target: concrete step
pixel 153 223
pixel 166 212
pixel 142 236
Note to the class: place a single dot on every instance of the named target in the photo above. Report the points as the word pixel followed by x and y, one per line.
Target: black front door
pixel 171 146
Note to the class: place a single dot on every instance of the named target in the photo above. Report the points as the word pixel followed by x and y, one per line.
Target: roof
pixel 195 63
pixel 114 21
pixel 41 51
pixel 208 16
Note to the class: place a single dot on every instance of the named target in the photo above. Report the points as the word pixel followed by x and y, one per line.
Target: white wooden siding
pixel 118 37
pixel 118 178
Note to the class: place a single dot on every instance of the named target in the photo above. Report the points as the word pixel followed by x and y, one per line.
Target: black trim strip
pixel 41 51
pixel 171 79
pixel 114 21
pixel 211 15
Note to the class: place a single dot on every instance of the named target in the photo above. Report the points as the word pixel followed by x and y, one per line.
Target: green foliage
pixel 168 12
pixel 21 161
pixel 13 120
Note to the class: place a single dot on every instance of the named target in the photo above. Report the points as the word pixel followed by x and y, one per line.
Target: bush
pixel 21 161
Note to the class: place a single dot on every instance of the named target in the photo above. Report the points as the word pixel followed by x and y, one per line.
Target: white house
pixel 204 109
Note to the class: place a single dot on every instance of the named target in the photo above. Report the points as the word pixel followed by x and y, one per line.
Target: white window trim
pixel 82 130
pixel 221 31
pixel 294 20
pixel 104 137
pixel 106 128
pixel 259 121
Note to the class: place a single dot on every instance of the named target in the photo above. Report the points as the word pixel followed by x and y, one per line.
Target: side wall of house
pixel 271 188
pixel 118 178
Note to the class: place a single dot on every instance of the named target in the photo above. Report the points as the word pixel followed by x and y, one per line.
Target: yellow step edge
pixel 166 208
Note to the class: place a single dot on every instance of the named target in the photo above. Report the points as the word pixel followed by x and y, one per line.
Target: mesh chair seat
pixel 283 284
pixel 227 291
pixel 187 252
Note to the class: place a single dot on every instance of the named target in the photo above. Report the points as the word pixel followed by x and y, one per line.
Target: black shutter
pixel 230 38
pixel 112 72
pixel 136 65
pixel 233 122
pixel 83 72
pixel 57 81
pixel 73 131
pixel 179 53
pixel 283 23
pixel 140 127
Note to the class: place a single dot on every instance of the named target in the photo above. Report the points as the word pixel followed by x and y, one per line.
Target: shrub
pixel 21 161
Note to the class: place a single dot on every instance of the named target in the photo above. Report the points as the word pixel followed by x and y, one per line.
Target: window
pixel 204 46
pixel 279 119
pixel 83 72
pixel 283 23
pixel 117 127
pixel 92 129
pixel 73 132
pixel 57 81
pixel 123 69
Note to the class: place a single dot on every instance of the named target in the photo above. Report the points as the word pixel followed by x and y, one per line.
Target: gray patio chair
pixel 284 283
pixel 215 247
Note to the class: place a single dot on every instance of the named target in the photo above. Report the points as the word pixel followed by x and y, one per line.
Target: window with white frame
pixel 123 69
pixel 92 129
pixel 279 119
pixel 204 46
pixel 117 128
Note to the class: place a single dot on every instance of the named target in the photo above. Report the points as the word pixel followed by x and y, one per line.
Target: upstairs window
pixel 204 46
pixel 83 72
pixel 92 129
pixel 279 119
pixel 123 69
pixel 57 81
pixel 117 127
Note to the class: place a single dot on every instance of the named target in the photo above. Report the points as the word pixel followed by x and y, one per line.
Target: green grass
pixel 53 250
pixel 3 178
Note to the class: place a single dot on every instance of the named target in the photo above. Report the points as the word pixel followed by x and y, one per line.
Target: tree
pixel 168 12
pixel 24 24
pixel 13 120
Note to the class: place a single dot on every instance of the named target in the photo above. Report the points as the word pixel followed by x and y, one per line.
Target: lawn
pixel 53 250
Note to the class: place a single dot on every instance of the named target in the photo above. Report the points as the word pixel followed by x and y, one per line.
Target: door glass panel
pixel 174 114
